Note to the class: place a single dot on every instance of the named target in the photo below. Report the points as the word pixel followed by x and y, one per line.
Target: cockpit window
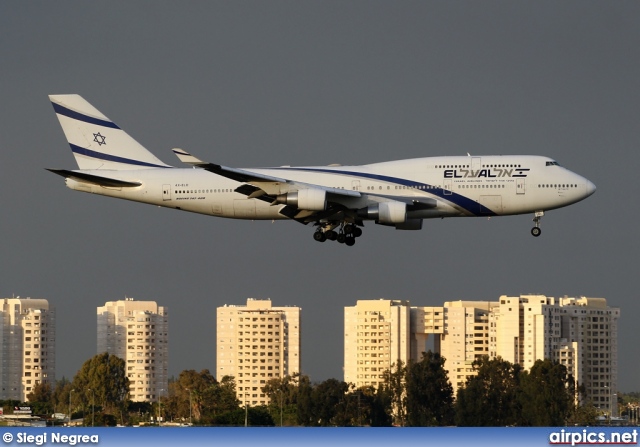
pixel 552 163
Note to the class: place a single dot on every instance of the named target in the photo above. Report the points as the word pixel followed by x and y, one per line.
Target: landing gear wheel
pixel 350 241
pixel 536 231
pixel 331 235
pixel 341 238
pixel 357 232
pixel 348 229
pixel 319 236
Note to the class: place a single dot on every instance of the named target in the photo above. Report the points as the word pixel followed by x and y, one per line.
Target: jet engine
pixel 385 212
pixel 305 199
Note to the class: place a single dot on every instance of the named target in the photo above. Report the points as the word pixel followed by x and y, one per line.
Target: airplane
pixel 336 199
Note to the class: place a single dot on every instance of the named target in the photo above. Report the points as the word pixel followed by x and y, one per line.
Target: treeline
pixel 99 395
pixel 416 394
pixel 100 389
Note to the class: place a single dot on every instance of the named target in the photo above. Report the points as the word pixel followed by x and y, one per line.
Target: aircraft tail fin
pixel 96 141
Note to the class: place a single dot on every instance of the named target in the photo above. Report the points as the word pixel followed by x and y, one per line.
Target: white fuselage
pixel 462 186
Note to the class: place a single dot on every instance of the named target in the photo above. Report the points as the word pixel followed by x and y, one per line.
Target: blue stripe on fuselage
pixel 107 157
pixel 459 200
pixel 80 117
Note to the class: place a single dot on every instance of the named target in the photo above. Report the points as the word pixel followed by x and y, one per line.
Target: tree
pixel 256 416
pixel 40 398
pixel 60 395
pixel 46 398
pixel 220 398
pixel 547 395
pixel 304 403
pixel 429 392
pixel 490 398
pixel 283 398
pixel 364 406
pixel 190 388
pixel 40 393
pixel 585 415
pixel 207 397
pixel 321 405
pixel 394 389
pixel 326 398
pixel 103 381
pixel 379 407
pixel 139 412
pixel 348 410
pixel 333 403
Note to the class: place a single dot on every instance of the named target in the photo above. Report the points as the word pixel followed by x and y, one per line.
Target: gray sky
pixel 251 84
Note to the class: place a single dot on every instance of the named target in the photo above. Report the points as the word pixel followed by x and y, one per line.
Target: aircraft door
pixel 520 186
pixel 355 185
pixel 166 192
pixel 447 187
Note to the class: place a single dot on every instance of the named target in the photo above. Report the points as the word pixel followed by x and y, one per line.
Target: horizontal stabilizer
pixel 95 179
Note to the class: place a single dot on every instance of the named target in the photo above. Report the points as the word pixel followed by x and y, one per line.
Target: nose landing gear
pixel 536 231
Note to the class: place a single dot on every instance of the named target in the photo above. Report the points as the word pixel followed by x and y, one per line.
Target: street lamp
pixel 160 405
pixel 246 411
pixel 70 406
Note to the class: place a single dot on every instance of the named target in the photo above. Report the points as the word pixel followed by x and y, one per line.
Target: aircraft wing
pixel 245 176
pixel 239 175
pixel 268 188
pixel 305 202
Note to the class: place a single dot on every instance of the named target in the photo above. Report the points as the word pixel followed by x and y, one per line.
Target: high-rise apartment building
pixel 580 333
pixel 377 333
pixel 138 333
pixel 27 352
pixel 465 338
pixel 256 343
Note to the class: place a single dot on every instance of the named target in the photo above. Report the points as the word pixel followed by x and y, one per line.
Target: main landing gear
pixel 347 234
pixel 536 231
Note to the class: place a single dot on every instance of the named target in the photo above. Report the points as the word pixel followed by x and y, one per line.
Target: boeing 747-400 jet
pixel 336 199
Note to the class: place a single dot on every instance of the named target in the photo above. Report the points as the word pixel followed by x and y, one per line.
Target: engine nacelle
pixel 305 199
pixel 385 212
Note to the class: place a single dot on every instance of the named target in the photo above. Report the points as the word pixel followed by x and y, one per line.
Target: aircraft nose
pixel 590 188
